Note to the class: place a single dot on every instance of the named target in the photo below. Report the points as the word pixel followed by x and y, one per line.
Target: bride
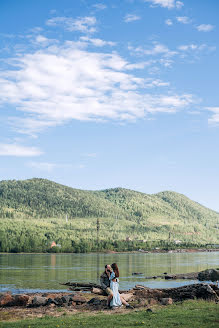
pixel 115 300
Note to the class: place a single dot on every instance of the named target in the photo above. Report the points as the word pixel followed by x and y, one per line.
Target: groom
pixel 105 282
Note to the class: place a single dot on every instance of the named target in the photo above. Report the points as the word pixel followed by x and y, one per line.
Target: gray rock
pixel 67 299
pixel 49 301
pixel 94 301
pixel 58 301
pixel 39 301
pixel 209 274
pixel 169 276
pixel 166 301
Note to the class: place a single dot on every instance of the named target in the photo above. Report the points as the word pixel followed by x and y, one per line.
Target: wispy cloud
pixel 97 42
pixel 183 19
pixel 170 4
pixel 168 22
pixel 214 120
pixel 205 27
pixel 191 46
pixel 55 84
pixel 99 6
pixel 157 49
pixel 42 166
pixel 18 150
pixel 81 24
pixel 196 48
pixel 91 155
pixel 48 166
pixel 131 18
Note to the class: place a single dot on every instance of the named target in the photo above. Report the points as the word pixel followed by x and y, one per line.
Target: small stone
pixel 143 303
pixel 58 301
pixel 152 301
pixel 50 301
pixel 166 301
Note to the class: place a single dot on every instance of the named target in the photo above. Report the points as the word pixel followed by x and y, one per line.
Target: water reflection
pixel 46 271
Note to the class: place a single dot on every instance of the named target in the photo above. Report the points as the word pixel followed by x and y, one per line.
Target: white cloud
pixel 18 150
pixel 47 166
pixel 97 42
pixel 158 49
pixel 179 4
pixel 131 18
pixel 81 24
pixel 42 166
pixel 168 22
pixel 99 6
pixel 196 48
pixel 205 27
pixel 183 19
pixel 92 155
pixel 62 82
pixel 170 4
pixel 215 117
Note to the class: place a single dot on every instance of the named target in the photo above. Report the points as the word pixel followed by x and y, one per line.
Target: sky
pixel 102 94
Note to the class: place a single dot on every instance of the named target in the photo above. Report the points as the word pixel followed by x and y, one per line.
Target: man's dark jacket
pixel 104 280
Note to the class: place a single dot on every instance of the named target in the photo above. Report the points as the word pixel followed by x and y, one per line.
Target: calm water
pixel 37 272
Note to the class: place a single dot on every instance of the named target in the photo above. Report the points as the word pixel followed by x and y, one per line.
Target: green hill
pixel 42 198
pixel 33 213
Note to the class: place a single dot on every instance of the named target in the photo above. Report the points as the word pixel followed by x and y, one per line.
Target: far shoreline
pixel 155 251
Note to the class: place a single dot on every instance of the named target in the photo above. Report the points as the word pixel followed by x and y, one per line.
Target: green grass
pixel 200 314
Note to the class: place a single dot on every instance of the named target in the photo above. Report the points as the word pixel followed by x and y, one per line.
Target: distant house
pixel 177 242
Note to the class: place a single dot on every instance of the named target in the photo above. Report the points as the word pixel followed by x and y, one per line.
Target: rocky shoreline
pixel 206 275
pixel 13 307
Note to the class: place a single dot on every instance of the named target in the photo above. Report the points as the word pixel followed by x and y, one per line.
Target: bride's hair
pixel 115 269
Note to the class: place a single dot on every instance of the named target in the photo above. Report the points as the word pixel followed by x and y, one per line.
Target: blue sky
pixel 100 94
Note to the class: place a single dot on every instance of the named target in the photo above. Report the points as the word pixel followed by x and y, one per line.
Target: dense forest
pixel 35 212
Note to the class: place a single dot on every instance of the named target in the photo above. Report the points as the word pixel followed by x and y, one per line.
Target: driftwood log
pixel 204 291
pixel 86 287
pixel 201 290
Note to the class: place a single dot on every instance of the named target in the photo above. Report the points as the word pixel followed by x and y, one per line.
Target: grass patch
pixel 189 314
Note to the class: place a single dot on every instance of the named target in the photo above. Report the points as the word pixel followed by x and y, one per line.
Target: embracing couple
pixel 110 284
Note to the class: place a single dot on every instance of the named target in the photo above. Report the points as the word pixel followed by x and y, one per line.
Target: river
pixel 21 273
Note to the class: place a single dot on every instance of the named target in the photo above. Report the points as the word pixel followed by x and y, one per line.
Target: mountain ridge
pixel 35 212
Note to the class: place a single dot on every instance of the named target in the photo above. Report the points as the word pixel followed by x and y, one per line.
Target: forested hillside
pixel 33 214
pixel 42 198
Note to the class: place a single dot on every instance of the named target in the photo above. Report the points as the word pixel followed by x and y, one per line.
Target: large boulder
pixel 79 299
pixel 21 300
pixel 209 274
pixel 39 301
pixel 6 299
